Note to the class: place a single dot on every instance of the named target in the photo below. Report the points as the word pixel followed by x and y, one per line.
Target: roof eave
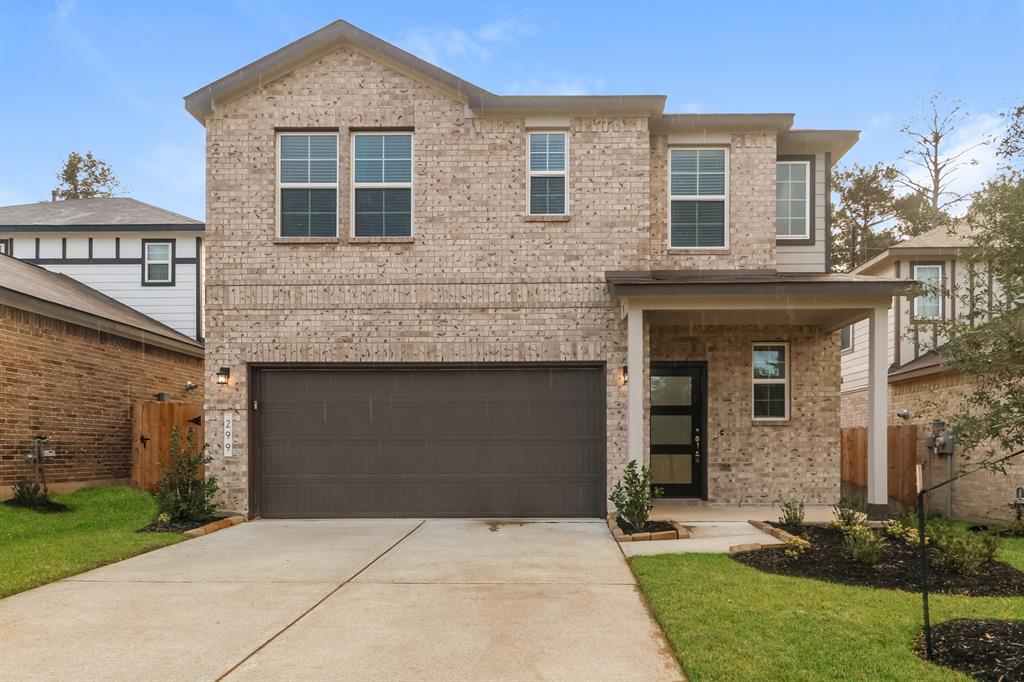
pixel 668 123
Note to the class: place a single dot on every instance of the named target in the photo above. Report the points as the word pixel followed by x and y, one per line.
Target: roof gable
pixel 115 212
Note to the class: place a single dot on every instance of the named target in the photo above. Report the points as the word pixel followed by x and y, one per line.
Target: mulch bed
pixel 651 527
pixel 45 507
pixel 984 649
pixel 899 569
pixel 173 526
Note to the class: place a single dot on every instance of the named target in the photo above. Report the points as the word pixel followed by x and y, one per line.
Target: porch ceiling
pixel 755 297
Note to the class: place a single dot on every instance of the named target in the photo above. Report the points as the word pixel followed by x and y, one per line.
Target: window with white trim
pixel 927 305
pixel 771 381
pixel 698 198
pixel 846 338
pixel 308 182
pixel 6 246
pixel 158 263
pixel 547 173
pixel 792 199
pixel 382 185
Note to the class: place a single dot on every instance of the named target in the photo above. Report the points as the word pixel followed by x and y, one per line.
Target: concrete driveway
pixel 348 599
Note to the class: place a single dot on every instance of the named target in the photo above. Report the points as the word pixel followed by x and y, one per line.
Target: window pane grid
pixel 697 198
pixel 927 305
pixel 770 381
pixel 157 258
pixel 792 198
pixel 308 185
pixel 382 185
pixel 547 169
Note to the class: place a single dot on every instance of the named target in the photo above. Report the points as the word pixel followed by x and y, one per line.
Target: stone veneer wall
pixel 479 282
pixel 78 386
pixel 757 462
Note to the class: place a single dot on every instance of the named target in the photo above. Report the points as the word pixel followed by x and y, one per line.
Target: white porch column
pixel 878 410
pixel 635 385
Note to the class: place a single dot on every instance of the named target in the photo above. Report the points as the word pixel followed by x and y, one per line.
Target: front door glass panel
pixel 677 457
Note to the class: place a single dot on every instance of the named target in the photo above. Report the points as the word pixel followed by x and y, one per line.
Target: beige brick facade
pixel 479 282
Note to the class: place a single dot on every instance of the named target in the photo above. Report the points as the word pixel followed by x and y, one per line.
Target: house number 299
pixel 228 432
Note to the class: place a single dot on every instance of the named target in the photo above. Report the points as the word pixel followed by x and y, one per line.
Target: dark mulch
pixel 1015 531
pixel 45 507
pixel 173 526
pixel 991 650
pixel 899 569
pixel 651 527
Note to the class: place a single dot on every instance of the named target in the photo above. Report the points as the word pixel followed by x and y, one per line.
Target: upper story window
pixel 308 180
pixel 382 185
pixel 792 199
pixel 771 381
pixel 6 246
pixel 547 173
pixel 846 339
pixel 698 198
pixel 927 305
pixel 157 262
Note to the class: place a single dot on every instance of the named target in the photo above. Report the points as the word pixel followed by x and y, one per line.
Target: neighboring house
pixel 73 362
pixel 919 381
pixel 141 255
pixel 430 300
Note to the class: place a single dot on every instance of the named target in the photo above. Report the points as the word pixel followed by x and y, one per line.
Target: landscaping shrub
pixel 900 531
pixel 28 494
pixel 961 550
pixel 183 494
pixel 792 512
pixel 848 514
pixel 862 544
pixel 633 496
pixel 794 548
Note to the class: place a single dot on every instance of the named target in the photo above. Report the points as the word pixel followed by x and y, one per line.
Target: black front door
pixel 678 457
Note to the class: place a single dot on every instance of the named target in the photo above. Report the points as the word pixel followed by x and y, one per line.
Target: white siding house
pixel 138 254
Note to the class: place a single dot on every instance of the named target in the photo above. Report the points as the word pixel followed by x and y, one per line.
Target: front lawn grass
pixel 727 621
pixel 38 548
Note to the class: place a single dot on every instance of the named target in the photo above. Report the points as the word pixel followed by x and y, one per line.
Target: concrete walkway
pixel 348 600
pixel 705 536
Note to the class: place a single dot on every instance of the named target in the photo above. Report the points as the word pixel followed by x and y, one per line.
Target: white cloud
pixel 179 166
pixel 440 44
pixel 880 120
pixel 982 162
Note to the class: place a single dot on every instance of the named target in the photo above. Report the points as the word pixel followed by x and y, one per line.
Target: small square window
pixel 157 262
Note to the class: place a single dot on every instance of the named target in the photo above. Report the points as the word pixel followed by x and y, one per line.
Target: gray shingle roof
pixel 20 278
pixel 114 211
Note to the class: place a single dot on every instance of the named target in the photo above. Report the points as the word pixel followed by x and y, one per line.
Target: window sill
pixel 381 240
pixel 547 218
pixel 707 250
pixel 770 422
pixel 794 241
pixel 306 240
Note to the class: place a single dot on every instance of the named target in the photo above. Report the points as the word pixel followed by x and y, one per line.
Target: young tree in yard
pixel 85 177
pixel 935 165
pixel 866 206
pixel 987 346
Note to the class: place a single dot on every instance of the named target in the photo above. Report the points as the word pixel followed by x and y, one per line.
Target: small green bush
pixel 183 494
pixel 862 544
pixel 900 531
pixel 848 514
pixel 633 495
pixel 961 550
pixel 28 493
pixel 794 548
pixel 792 512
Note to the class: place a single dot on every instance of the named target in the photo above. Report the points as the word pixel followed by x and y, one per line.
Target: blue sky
pixel 109 76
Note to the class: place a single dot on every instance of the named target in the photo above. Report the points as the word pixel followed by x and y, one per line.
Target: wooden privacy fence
pixel 151 436
pixel 902 456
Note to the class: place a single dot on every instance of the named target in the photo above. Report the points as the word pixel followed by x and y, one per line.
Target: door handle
pixel 696 447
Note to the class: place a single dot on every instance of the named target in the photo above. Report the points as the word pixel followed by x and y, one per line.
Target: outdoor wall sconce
pixel 191 386
pixel 223 374
pixel 625 374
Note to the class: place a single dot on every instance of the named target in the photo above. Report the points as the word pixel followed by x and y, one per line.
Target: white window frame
pixel 847 349
pixel 938 294
pixel 7 246
pixel 807 200
pixel 530 173
pixel 754 381
pixel 683 197
pixel 278 185
pixel 147 261
pixel 382 185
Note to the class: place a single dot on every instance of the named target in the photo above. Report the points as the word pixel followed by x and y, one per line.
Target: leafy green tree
pixel 864 211
pixel 85 177
pixel 987 344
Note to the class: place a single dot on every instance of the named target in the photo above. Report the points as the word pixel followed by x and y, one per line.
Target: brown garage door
pixel 430 441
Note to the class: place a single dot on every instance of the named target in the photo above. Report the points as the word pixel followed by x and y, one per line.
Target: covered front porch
pixel 738 398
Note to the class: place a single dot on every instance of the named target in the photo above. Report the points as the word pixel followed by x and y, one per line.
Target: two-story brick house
pixel 424 299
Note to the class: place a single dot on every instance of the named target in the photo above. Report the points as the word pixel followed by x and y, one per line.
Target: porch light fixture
pixel 191 385
pixel 625 374
pixel 223 374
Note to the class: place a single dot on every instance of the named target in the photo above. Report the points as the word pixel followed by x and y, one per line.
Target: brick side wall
pixel 760 463
pixel 982 496
pixel 77 386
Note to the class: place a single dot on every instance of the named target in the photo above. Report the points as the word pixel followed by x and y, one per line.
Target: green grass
pixel 100 528
pixel 727 621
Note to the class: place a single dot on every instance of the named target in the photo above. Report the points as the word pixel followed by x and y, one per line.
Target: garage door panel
pixel 505 441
